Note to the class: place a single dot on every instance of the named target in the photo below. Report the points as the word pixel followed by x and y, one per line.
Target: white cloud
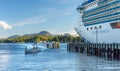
pixel 29 21
pixel 4 25
pixel 74 33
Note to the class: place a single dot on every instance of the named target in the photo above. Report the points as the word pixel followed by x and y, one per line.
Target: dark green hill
pixel 14 36
pixel 45 33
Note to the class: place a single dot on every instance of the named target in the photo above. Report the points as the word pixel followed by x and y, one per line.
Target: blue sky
pixel 18 17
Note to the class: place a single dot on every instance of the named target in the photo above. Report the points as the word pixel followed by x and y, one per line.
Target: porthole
pixel 100 27
pixel 95 27
pixel 87 28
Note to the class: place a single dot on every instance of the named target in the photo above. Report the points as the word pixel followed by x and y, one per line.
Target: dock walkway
pixel 109 51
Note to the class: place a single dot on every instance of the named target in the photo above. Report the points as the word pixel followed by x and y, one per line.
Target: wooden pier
pixel 109 51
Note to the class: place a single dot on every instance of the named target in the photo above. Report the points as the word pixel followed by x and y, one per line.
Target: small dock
pixel 53 45
pixel 109 51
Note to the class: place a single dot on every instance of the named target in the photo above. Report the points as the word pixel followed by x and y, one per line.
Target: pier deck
pixel 109 51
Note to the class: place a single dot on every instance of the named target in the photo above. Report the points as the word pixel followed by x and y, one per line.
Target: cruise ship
pixel 99 21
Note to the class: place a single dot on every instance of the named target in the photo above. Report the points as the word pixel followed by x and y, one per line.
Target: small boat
pixel 34 49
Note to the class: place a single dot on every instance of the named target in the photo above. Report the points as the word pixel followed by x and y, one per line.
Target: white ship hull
pixel 104 35
pixel 99 21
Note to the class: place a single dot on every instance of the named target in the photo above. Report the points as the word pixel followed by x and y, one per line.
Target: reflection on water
pixel 3 61
pixel 92 63
pixel 12 58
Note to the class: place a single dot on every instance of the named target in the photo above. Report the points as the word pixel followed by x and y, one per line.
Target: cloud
pixel 29 21
pixel 74 33
pixel 4 25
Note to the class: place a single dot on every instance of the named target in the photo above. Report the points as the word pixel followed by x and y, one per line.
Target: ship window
pixel 95 27
pixel 100 27
pixel 87 28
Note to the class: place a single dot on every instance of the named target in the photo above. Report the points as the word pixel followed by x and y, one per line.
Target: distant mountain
pixel 33 34
pixel 45 33
pixel 67 34
pixel 14 36
pixel 41 33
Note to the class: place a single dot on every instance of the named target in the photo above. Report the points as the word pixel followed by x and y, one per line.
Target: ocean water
pixel 13 58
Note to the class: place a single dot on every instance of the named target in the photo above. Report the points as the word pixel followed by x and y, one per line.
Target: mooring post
pixel 87 49
pixel 108 51
pixel 79 49
pixel 100 50
pixel 82 49
pixel 67 47
pixel 96 50
pixel 114 52
pixel 117 52
pixel 93 49
pixel 90 49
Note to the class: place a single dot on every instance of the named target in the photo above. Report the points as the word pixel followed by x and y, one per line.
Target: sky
pixel 19 17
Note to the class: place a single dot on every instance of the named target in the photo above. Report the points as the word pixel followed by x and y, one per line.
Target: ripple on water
pixel 12 58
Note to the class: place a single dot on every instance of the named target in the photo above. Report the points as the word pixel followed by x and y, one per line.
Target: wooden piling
pixel 109 51
pixel 55 45
pixel 48 45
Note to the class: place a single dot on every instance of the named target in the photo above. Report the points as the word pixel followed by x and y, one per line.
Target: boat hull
pixel 34 50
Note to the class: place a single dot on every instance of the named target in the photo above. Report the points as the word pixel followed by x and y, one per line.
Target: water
pixel 12 58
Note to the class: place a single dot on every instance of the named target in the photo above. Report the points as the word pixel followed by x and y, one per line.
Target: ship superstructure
pixel 99 21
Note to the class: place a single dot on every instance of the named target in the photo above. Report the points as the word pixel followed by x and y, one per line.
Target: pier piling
pixel 55 45
pixel 109 51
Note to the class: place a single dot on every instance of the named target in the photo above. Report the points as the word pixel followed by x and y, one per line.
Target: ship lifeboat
pixel 118 25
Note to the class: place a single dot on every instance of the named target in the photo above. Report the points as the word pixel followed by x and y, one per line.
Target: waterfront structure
pixel 109 51
pixel 53 45
pixel 99 21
